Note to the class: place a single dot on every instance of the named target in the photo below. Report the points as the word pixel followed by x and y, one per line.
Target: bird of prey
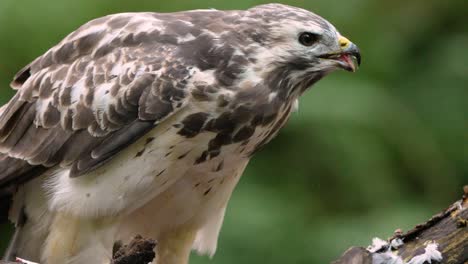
pixel 142 123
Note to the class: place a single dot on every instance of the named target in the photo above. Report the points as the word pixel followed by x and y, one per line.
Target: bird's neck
pixel 291 83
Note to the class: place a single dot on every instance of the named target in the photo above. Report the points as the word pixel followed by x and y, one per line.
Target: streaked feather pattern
pixel 78 105
pixel 142 123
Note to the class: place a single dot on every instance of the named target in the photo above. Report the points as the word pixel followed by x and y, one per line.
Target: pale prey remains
pixel 142 123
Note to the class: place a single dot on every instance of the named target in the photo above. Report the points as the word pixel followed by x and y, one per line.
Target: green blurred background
pixel 366 153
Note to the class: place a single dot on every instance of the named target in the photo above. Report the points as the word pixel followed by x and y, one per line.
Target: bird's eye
pixel 308 39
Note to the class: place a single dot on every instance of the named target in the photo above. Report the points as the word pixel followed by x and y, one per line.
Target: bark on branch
pixel 138 251
pixel 443 239
pixel 443 236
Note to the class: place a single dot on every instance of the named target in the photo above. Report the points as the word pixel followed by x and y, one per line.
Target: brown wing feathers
pixel 79 111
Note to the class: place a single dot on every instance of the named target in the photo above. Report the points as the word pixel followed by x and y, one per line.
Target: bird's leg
pixel 10 252
pixel 62 239
pixel 175 247
pixel 78 240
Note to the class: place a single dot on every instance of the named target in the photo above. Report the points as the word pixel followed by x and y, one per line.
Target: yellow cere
pixel 344 42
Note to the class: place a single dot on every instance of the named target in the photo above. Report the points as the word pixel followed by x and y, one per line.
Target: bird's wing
pixel 95 93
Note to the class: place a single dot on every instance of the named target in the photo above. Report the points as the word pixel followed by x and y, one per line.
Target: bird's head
pixel 299 46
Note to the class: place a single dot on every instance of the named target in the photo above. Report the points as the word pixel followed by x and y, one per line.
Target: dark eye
pixel 308 39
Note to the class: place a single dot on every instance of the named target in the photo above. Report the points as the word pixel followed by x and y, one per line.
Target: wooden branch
pixel 444 238
pixel 138 251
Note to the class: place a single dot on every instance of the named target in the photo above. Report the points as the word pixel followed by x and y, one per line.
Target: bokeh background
pixel 366 153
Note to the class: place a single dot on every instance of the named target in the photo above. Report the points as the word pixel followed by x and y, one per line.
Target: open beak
pixel 348 57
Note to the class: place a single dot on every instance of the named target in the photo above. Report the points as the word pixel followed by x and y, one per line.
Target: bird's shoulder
pixel 94 93
pixel 115 78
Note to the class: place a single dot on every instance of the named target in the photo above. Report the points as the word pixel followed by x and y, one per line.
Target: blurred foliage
pixel 366 153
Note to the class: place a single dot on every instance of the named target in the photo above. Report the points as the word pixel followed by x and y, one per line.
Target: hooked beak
pixel 348 57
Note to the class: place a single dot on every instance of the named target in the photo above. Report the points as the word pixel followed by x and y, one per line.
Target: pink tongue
pixel 346 58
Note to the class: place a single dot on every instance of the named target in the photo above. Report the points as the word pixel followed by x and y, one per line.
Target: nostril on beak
pixel 344 42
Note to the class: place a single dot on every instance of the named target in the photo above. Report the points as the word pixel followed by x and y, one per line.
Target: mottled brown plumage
pixel 151 118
